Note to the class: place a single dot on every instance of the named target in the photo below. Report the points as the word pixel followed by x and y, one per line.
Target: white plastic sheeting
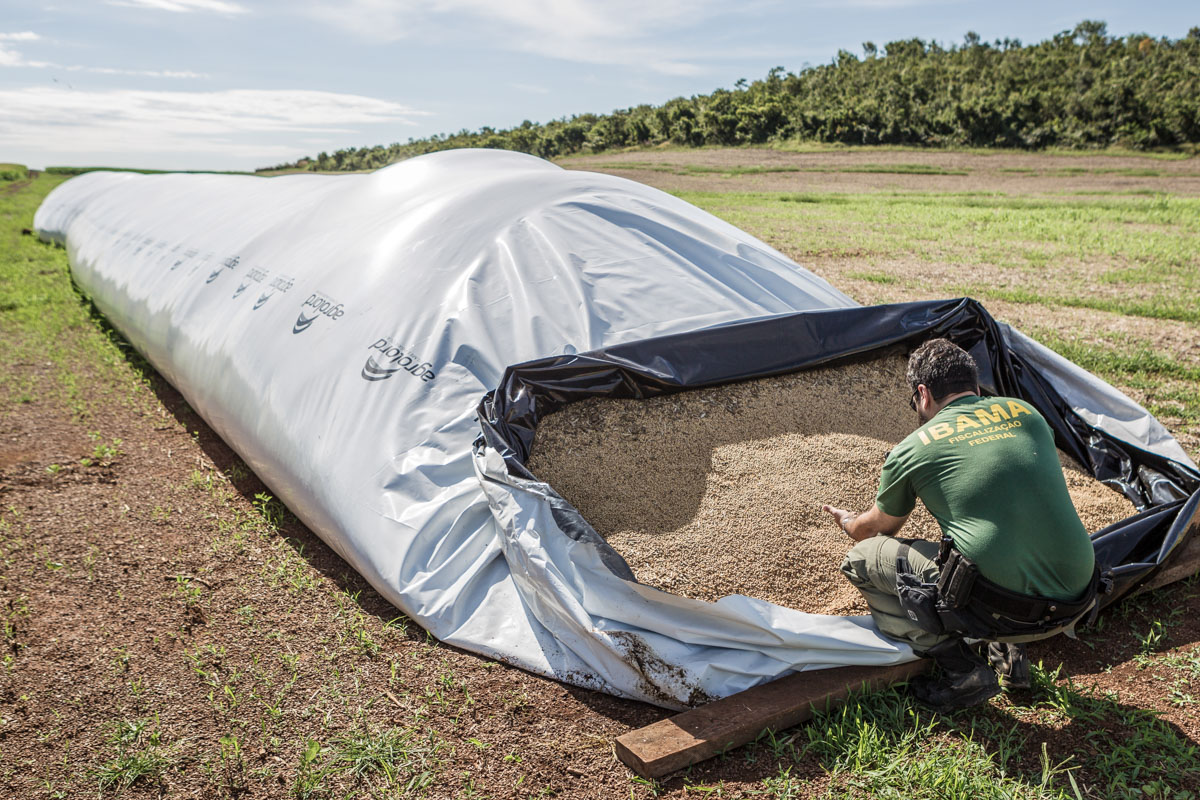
pixel 339 331
pixel 1098 403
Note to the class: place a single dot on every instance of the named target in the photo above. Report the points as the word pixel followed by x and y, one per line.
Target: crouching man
pixel 1016 564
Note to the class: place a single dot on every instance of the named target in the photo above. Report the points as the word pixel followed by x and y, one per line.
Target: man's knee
pixel 860 562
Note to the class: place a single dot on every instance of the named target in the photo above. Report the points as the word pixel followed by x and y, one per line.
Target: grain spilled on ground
pixel 719 491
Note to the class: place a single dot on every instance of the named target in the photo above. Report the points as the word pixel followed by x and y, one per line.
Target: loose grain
pixel 719 491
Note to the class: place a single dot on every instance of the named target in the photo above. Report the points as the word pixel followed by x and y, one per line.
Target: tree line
pixel 1081 88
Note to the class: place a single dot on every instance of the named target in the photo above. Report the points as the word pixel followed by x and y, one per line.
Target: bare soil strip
pixel 749 169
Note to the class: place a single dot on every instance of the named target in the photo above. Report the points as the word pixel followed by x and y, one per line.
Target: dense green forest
pixel 1080 89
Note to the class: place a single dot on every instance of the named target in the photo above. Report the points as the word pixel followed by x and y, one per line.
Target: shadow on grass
pixel 1057 740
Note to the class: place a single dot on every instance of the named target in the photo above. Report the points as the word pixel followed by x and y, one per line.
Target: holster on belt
pixel 962 602
pixel 956 581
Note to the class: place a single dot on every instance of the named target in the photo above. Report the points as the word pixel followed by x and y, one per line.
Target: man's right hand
pixel 841 516
pixel 867 524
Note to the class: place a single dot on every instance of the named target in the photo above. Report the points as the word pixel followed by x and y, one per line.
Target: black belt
pixel 1025 607
pixel 961 600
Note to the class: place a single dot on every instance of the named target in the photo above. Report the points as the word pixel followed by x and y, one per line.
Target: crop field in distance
pixel 171 630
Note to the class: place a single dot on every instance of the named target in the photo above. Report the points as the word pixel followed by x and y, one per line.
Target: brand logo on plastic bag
pixel 188 254
pixel 168 255
pixel 253 275
pixel 281 284
pixel 313 308
pixel 391 359
pixel 229 263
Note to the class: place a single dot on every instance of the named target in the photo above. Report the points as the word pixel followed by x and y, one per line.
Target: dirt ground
pixel 135 592
pixel 721 170
pixel 158 604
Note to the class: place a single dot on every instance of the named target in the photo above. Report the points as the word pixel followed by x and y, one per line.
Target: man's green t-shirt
pixel 988 471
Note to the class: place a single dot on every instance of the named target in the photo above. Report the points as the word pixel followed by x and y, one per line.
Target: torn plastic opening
pixel 1164 490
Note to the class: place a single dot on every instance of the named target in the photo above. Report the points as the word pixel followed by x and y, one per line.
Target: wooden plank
pixel 701 733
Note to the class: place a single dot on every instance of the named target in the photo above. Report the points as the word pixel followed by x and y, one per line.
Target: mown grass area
pixel 44 322
pixel 1171 386
pixel 71 171
pixel 1135 255
pixel 326 717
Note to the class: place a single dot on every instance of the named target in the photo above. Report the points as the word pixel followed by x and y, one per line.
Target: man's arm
pixel 867 524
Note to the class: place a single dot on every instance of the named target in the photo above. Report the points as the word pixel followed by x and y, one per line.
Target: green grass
pixel 12 172
pixel 55 344
pixel 873 277
pixel 404 761
pixel 903 169
pixel 1159 307
pixel 139 757
pixel 1171 386
pixel 1069 172
pixel 882 745
pixel 1128 254
pixel 72 171
pixel 1132 255
pixel 1132 172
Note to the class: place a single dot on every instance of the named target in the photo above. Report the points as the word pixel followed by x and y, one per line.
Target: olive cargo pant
pixel 871 567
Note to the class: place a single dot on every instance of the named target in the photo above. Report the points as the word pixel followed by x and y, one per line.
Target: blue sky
pixel 238 84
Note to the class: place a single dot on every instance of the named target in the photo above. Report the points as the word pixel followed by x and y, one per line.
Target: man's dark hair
pixel 944 368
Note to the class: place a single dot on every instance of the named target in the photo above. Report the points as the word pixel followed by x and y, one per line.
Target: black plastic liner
pixel 1166 492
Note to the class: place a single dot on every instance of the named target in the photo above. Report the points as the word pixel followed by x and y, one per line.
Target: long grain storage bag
pixel 339 333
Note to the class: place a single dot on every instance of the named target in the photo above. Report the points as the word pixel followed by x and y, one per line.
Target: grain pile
pixel 719 491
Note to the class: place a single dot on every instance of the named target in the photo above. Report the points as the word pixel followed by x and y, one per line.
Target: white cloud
pixel 13 58
pixel 145 73
pixel 627 32
pixel 184 6
pixel 145 122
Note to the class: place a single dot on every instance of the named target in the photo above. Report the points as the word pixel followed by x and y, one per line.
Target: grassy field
pixel 1128 255
pixel 171 630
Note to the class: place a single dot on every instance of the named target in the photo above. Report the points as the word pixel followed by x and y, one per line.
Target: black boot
pixel 962 678
pixel 1011 662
